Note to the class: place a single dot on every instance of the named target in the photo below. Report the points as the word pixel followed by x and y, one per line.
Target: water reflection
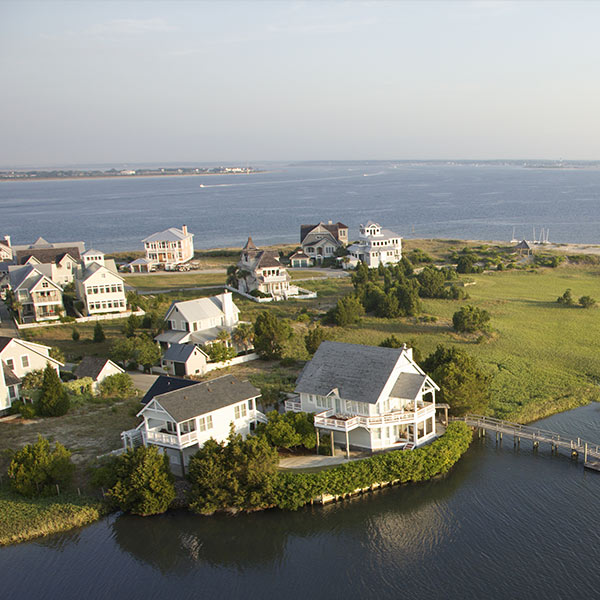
pixel 395 518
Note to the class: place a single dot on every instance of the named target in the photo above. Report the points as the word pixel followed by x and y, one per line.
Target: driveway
pixel 7 325
pixel 142 381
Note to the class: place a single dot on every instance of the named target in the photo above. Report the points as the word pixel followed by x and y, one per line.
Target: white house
pixel 99 286
pixel 170 247
pixel 368 397
pixel 321 241
pixel 184 359
pixel 376 246
pixel 37 296
pixel 199 321
pixel 6 253
pixel 17 358
pixel 97 369
pixel 261 270
pixel 61 270
pixel 181 421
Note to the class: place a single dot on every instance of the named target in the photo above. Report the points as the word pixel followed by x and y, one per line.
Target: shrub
pixel 240 474
pixel 289 430
pixel 99 335
pixel 144 482
pixel 348 311
pixel 587 302
pixel 119 385
pixel 54 400
pixel 80 387
pixel 57 354
pixel 270 335
pixel 219 351
pixel 313 339
pixel 470 319
pixel 566 299
pixel 75 335
pixel 37 468
pixel 66 319
pixel 33 380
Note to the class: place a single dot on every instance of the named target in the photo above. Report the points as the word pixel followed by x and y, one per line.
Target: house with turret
pixel 376 246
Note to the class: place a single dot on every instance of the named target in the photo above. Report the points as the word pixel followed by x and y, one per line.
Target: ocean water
pixel 421 200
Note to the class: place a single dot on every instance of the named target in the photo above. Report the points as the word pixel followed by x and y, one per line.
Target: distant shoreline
pixel 118 176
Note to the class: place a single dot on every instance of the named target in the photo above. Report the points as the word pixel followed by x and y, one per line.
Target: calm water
pixel 463 202
pixel 503 524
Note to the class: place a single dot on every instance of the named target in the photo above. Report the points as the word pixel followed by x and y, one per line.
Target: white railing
pixel 260 417
pixel 329 420
pixel 293 406
pixel 169 439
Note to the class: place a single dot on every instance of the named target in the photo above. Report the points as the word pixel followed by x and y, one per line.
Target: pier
pixel 575 446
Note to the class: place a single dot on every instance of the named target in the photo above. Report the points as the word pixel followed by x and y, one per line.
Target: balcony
pixel 160 437
pixel 329 420
pixel 293 405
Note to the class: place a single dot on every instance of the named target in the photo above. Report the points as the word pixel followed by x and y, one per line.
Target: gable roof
pixel 33 346
pixel 46 254
pixel 196 310
pixel 267 258
pixel 94 267
pixel 28 276
pixel 205 397
pixel 358 372
pixel 180 352
pixel 168 235
pixel 92 252
pixel 298 254
pixel 91 366
pixel 9 376
pixel 333 228
pixel 408 385
pixel 164 384
pixel 523 245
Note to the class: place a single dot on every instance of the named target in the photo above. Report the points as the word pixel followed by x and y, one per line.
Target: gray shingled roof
pixel 408 386
pixel 9 376
pixel 168 235
pixel 205 397
pixel 90 366
pixel 358 372
pixel 179 352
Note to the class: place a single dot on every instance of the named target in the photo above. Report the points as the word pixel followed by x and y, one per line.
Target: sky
pixel 92 82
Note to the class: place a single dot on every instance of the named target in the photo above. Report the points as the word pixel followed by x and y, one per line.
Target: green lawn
pixel 163 281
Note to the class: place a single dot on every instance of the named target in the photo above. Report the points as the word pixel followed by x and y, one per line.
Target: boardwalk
pixel 575 446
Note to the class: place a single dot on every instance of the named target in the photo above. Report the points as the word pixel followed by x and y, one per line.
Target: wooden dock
pixel 576 447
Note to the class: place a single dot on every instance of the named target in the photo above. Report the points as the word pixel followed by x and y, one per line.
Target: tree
pixel 219 351
pixel 119 385
pixel 37 468
pixel 393 342
pixel 464 385
pixel 270 335
pixel 146 352
pixel 389 307
pixel 233 276
pixel 99 335
pixel 132 323
pixel 408 298
pixel 57 354
pixel 122 350
pixel 566 299
pixel 75 335
pixel 144 482
pixel 466 264
pixel 54 400
pixel 289 430
pixel 432 282
pixel 587 302
pixel 240 474
pixel 313 339
pixel 33 380
pixel 243 335
pixel 348 311
pixel 470 319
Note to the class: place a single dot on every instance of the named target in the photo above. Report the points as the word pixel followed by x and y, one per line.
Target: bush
pixel 470 319
pixel 66 319
pixel 144 482
pixel 80 387
pixel 566 299
pixel 289 430
pixel 587 302
pixel 99 335
pixel 219 351
pixel 37 468
pixel 33 380
pixel 119 385
pixel 314 337
pixel 270 335
pixel 348 311
pixel 57 354
pixel 75 335
pixel 54 400
pixel 240 474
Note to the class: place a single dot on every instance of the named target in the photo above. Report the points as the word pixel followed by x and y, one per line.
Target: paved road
pixel 7 326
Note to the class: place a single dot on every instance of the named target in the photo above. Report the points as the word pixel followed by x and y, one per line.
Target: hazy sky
pixel 101 82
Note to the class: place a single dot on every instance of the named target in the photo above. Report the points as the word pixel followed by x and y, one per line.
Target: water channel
pixel 504 524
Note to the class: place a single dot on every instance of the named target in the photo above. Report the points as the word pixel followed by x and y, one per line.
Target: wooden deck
pixel 575 447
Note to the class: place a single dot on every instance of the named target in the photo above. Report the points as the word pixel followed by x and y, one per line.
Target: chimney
pixel 330 222
pixel 7 240
pixel 184 229
pixel 227 308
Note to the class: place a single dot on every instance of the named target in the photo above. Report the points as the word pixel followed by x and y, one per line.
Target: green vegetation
pixel 314 337
pixel 99 335
pixel 142 482
pixel 23 519
pixel 586 302
pixel 118 385
pixel 270 335
pixel 36 469
pixel 289 430
pixel 470 319
pixel 220 351
pixel 53 400
pixel 566 299
pixel 239 475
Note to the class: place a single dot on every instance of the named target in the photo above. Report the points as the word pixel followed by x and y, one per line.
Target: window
pixel 171 428
pixel 205 423
pixel 244 410
pixel 250 404
pixel 25 361
pixel 188 426
pixel 12 391
pixel 236 412
pixel 10 363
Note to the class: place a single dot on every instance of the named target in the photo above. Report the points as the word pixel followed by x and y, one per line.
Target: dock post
pixel 317 432
pixel 496 437
pixel 585 455
pixel 347 447
pixel 332 446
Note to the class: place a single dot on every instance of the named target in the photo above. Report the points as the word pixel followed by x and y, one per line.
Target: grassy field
pixel 22 519
pixel 164 281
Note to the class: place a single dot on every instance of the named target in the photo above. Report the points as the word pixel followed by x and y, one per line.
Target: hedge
pixel 294 489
